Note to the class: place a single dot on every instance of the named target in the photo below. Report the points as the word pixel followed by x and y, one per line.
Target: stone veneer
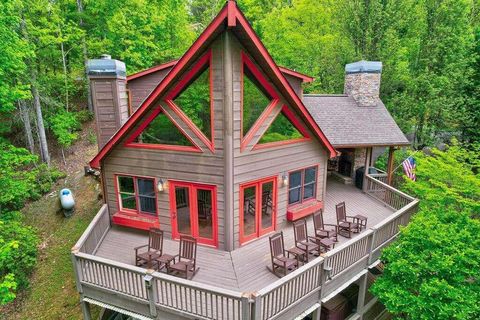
pixel 364 88
pixel 358 159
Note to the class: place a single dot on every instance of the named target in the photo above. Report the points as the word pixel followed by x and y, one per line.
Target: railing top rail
pixel 290 276
pixel 112 263
pixel 90 227
pixel 380 170
pixel 395 215
pixel 390 188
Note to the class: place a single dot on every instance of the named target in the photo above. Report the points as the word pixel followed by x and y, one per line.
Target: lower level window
pixel 137 194
pixel 302 185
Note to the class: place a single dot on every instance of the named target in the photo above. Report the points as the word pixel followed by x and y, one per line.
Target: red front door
pixel 194 211
pixel 258 201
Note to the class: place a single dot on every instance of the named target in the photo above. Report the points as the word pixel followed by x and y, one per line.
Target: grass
pixel 52 293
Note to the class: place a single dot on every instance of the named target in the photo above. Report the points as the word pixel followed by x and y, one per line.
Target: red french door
pixel 258 201
pixel 194 211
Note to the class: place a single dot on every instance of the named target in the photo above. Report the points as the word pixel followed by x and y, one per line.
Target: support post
pixel 368 158
pixel 228 140
pixel 317 313
pixel 76 271
pixel 362 282
pixel 246 307
pixel 391 151
pixel 85 306
pixel 149 281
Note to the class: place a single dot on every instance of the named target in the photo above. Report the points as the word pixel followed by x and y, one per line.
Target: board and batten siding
pixel 251 165
pixel 111 101
pixel 140 88
pixel 205 167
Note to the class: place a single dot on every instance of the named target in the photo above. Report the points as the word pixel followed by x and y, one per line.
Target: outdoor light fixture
pixel 285 180
pixel 162 185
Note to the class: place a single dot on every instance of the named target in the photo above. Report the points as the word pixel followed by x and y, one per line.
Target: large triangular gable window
pixel 286 128
pixel 258 99
pixel 191 100
pixel 159 131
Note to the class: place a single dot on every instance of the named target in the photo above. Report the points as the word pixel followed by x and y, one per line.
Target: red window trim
pixel 296 123
pixel 258 193
pixel 246 61
pixel 205 60
pixel 302 186
pixel 137 212
pixel 130 142
pixel 194 186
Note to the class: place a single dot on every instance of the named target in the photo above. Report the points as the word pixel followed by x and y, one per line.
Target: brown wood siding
pixel 296 84
pixel 141 87
pixel 258 164
pixel 206 167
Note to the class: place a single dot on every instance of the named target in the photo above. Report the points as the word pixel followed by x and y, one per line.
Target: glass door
pixel 194 211
pixel 257 208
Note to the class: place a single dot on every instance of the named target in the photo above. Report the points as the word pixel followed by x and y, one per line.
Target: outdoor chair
pixel 324 230
pixel 280 261
pixel 344 226
pixel 153 250
pixel 187 254
pixel 307 244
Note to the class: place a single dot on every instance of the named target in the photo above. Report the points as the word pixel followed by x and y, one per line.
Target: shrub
pixel 18 252
pixel 64 126
pixel 432 271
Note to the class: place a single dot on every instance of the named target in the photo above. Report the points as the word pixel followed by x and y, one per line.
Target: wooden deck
pixel 244 269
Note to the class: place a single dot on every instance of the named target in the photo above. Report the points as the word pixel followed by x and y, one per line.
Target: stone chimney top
pixel 362 82
pixel 106 66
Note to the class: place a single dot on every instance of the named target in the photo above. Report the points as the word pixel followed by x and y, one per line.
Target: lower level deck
pixel 245 269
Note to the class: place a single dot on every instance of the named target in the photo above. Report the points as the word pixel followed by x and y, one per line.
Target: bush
pixel 432 271
pixel 18 252
pixel 21 178
pixel 64 126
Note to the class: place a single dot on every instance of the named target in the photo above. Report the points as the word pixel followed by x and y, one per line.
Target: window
pixel 281 129
pixel 162 131
pixel 254 101
pixel 137 194
pixel 302 185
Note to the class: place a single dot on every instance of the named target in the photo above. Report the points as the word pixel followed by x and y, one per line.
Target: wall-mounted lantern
pixel 285 180
pixel 162 185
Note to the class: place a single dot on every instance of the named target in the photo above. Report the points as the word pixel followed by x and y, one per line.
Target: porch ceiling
pixel 244 269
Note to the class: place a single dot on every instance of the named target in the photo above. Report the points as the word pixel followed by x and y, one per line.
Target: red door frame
pixel 259 231
pixel 192 196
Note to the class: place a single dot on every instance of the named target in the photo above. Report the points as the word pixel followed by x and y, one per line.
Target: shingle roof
pixel 346 124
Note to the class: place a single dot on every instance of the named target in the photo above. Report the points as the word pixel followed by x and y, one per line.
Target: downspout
pixel 228 140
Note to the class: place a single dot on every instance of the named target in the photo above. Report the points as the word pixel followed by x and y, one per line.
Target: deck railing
pixel 288 291
pixel 147 292
pixel 387 194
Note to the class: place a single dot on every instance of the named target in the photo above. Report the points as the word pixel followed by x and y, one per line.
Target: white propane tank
pixel 66 199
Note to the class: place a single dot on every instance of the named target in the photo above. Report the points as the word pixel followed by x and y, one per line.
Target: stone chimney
pixel 110 101
pixel 362 82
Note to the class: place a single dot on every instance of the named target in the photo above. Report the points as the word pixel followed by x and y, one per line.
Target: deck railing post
pixel 256 306
pixel 247 306
pixel 370 246
pixel 76 270
pixel 149 281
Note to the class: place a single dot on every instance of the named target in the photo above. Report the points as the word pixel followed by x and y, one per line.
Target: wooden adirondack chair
pixel 309 245
pixel 154 249
pixel 345 227
pixel 280 261
pixel 187 255
pixel 323 230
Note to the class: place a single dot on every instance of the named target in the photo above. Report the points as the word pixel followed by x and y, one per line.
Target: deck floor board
pixel 244 269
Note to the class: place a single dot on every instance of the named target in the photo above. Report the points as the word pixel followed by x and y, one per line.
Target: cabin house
pixel 223 146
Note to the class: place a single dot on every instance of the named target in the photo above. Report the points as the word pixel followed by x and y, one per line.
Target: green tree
pixel 432 270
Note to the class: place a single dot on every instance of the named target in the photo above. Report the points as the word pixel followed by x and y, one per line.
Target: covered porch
pixel 244 269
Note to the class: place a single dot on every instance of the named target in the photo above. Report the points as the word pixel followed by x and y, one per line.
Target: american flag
pixel 409 166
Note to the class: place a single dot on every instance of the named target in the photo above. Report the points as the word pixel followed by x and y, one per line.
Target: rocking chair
pixel 344 226
pixel 309 245
pixel 187 255
pixel 280 261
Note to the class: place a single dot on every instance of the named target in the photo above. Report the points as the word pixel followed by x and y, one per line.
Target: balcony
pixel 236 285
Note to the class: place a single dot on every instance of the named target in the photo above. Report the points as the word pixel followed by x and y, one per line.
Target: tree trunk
pixel 85 55
pixel 64 61
pixel 38 109
pixel 25 115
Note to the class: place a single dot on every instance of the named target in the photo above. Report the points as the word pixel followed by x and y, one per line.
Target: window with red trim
pixel 162 131
pixel 254 101
pixel 137 194
pixel 302 185
pixel 281 129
